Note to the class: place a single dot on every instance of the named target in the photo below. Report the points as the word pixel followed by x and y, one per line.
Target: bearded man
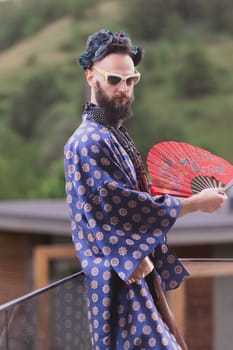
pixel 118 227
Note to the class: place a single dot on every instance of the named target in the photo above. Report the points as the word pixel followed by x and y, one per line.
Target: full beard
pixel 115 112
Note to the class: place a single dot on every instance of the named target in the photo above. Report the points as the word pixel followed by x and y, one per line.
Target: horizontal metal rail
pixel 14 302
pixel 207 260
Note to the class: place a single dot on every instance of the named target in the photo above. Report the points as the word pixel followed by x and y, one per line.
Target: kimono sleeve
pixel 125 224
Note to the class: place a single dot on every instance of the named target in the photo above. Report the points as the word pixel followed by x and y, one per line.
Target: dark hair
pixel 102 43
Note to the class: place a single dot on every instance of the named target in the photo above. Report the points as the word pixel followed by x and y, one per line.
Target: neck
pixel 93 99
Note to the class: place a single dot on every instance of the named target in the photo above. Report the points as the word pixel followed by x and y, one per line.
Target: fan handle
pixel 228 186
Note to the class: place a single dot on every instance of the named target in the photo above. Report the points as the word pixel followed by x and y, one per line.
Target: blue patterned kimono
pixel 114 226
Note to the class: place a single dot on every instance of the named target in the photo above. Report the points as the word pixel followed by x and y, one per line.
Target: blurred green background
pixel 185 93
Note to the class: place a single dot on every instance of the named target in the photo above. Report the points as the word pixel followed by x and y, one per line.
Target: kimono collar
pixel 95 112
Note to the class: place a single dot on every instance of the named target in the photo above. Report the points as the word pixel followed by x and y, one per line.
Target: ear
pixel 90 77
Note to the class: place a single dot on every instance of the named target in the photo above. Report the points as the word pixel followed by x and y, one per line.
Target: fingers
pixel 143 269
pixel 212 199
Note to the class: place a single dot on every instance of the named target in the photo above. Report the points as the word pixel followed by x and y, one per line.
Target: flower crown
pixel 100 43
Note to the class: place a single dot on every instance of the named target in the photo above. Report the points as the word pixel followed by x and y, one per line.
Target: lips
pixel 121 99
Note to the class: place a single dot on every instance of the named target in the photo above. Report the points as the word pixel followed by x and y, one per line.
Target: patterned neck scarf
pixel 94 112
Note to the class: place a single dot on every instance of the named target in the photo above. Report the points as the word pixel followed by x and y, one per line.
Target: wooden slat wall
pixel 14 255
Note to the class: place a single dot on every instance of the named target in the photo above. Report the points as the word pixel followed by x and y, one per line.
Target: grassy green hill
pixel 44 46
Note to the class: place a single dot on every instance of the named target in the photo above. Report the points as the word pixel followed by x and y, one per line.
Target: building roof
pixel 52 217
pixel 35 216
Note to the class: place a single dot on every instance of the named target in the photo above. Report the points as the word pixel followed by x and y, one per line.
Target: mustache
pixel 123 95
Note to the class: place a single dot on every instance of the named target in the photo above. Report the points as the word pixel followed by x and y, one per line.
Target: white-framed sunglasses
pixel 115 79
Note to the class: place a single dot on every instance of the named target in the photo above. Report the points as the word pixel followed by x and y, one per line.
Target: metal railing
pixel 55 317
pixel 50 318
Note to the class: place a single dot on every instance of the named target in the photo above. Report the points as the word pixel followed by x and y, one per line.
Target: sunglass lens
pixel 113 80
pixel 131 81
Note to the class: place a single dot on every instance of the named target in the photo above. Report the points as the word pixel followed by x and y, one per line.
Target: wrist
pixel 189 205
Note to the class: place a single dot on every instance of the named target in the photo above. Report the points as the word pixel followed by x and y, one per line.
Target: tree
pixel 37 94
pixel 148 19
pixel 197 75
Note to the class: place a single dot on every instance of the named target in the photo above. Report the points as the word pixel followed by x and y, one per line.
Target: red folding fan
pixel 181 169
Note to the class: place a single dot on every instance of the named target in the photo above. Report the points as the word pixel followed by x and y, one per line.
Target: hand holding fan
pixel 181 169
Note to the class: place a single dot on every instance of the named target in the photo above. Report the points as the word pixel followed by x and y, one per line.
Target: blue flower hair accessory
pixel 100 44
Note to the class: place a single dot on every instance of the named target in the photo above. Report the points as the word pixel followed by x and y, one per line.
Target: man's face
pixel 116 99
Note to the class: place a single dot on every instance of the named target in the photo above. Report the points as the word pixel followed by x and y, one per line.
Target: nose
pixel 123 86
